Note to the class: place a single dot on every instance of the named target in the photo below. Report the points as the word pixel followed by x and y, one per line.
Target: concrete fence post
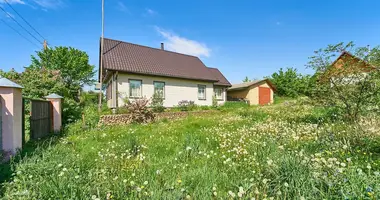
pixel 11 116
pixel 56 101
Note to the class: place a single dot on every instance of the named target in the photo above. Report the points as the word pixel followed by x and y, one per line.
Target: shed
pixel 258 92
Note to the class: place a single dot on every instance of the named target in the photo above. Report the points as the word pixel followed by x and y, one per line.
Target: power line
pixel 10 16
pixel 18 33
pixel 6 1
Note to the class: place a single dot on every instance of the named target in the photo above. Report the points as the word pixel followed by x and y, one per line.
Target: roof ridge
pixel 151 47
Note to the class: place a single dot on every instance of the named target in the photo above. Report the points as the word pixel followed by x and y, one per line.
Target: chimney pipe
pixel 162 46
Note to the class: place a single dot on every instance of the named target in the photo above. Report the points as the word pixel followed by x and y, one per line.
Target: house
pixel 346 68
pixel 133 71
pixel 256 92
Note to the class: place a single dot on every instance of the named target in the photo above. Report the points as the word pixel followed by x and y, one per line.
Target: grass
pixel 271 152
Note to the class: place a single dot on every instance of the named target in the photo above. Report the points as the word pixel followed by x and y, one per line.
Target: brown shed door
pixel 264 95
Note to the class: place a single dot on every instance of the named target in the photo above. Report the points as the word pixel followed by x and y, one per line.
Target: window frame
pixel 130 90
pixel 221 97
pixel 205 96
pixel 163 89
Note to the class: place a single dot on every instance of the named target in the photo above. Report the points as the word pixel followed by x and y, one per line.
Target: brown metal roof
pixel 133 58
pixel 218 75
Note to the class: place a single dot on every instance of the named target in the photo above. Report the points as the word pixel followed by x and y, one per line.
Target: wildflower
pixel 146 183
pixel 60 165
pixel 76 177
pixel 93 197
pixel 265 181
pixel 348 159
pixel 343 164
pixel 115 178
pixel 188 148
pixel 158 172
pixel 368 166
pixel 179 181
pixel 231 194
pixel 257 191
pixel 125 180
pixel 61 174
pixel 138 189
pixel 133 174
pixel 286 184
pixel 64 169
pixel 188 197
pixel 132 183
pixel 215 193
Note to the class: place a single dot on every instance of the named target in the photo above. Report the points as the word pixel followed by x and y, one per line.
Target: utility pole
pixel 45 45
pixel 101 62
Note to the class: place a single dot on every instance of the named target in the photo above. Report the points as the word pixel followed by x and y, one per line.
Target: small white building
pixel 132 71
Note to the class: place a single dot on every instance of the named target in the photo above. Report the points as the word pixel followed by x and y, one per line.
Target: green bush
pixel 234 105
pixel 157 103
pixel 185 105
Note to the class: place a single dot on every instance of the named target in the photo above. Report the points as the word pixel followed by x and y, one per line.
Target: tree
pixel 290 83
pixel 73 65
pixel 350 83
pixel 61 70
pixel 246 79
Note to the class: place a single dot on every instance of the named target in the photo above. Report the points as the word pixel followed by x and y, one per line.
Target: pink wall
pixel 11 100
pixel 57 114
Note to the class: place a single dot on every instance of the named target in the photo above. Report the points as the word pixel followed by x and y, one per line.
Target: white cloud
pixel 52 4
pixel 122 7
pixel 150 11
pixel 179 44
pixel 13 1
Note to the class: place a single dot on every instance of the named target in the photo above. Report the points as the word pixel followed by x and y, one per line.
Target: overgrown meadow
pixel 284 151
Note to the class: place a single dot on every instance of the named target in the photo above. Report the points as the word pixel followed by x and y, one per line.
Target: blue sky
pixel 241 38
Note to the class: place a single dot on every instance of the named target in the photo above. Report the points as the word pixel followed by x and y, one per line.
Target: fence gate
pixel 41 119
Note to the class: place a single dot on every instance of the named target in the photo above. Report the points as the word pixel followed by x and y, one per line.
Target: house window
pixel 218 92
pixel 201 92
pixel 135 88
pixel 159 88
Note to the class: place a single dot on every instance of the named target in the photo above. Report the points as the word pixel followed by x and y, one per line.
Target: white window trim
pixel 130 88
pixel 205 96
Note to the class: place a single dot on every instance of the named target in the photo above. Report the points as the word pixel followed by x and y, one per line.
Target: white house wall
pixel 175 89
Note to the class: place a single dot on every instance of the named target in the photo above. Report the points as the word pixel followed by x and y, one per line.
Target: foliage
pixel 61 70
pixel 246 79
pixel 214 101
pixel 249 152
pixel 186 105
pixel 351 85
pixel 235 105
pixel 73 65
pixel 292 84
pixel 157 103
pixel 139 111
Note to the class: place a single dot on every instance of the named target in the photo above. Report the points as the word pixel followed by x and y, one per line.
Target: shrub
pixel 157 103
pixel 352 87
pixel 186 105
pixel 235 104
pixel 214 102
pixel 139 111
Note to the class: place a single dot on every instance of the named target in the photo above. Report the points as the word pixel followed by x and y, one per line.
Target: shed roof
pixel 245 85
pixel 4 82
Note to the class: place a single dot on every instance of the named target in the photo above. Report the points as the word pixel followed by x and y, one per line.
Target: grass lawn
pixel 275 152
